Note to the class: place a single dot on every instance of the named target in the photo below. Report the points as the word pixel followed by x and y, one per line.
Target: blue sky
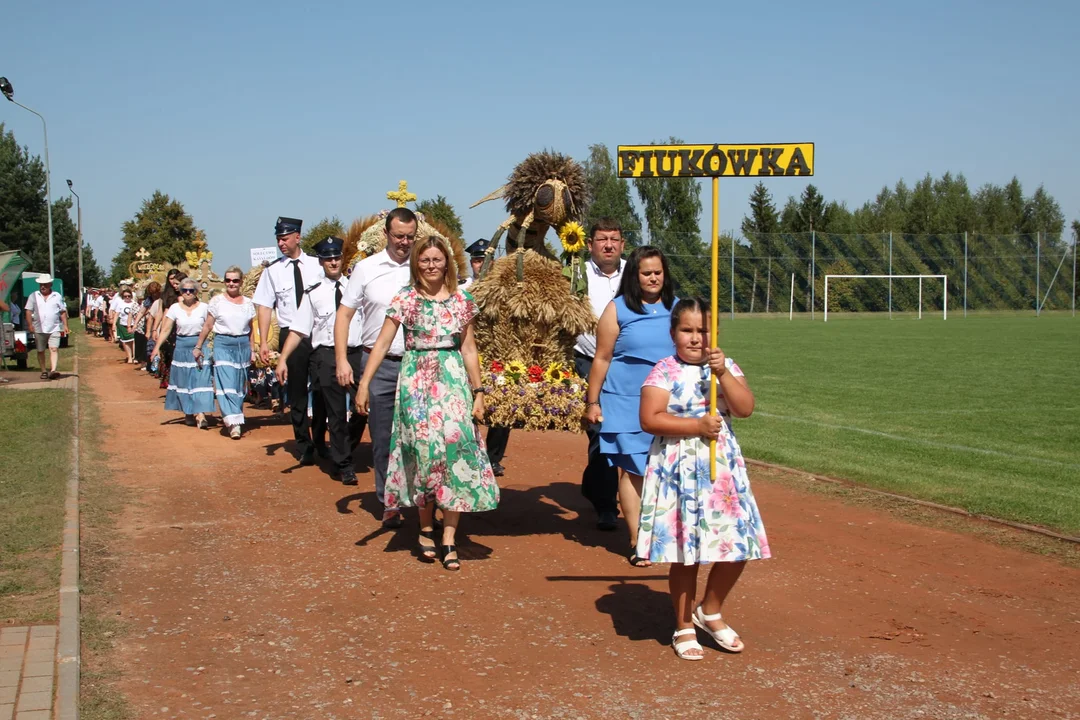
pixel 249 110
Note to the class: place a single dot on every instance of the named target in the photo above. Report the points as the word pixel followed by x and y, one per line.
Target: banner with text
pixel 263 254
pixel 760 160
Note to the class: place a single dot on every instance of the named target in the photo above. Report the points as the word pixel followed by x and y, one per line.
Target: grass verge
pixel 102 500
pixel 1062 551
pixel 976 413
pixel 35 457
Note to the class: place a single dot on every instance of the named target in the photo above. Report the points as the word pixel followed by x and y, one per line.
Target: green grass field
pixel 981 413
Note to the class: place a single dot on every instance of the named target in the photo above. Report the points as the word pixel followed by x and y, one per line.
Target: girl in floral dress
pixel 437 456
pixel 687 519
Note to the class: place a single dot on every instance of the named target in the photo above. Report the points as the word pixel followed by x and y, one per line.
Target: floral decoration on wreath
pixel 531 397
pixel 572 236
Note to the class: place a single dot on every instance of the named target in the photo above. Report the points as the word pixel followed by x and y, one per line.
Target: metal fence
pixel 777 272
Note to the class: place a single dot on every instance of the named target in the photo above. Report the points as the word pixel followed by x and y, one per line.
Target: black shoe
pixel 607 521
pixel 498 469
pixel 348 477
pixel 308 456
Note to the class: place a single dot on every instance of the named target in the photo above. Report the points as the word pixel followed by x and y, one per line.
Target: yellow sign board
pixel 658 161
pixel 143 269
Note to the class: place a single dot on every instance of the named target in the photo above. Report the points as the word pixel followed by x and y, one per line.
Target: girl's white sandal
pixel 682 647
pixel 725 638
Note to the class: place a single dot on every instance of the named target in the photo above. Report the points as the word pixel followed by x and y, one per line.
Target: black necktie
pixel 298 280
pixel 337 295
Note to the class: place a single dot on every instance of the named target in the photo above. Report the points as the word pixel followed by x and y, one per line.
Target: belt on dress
pixel 395 358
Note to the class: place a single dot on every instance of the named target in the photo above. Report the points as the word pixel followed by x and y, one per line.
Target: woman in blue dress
pixel 632 336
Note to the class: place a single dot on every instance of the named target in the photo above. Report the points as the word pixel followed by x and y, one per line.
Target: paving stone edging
pixel 68 650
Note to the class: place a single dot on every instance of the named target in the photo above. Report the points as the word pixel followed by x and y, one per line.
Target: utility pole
pixel 78 205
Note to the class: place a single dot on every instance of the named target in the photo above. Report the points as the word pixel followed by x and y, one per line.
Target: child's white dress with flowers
pixel 686 518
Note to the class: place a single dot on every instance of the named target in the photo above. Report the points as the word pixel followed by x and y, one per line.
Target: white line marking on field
pixel 919 441
pixel 971 411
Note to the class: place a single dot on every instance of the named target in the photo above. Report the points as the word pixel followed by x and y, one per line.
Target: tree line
pixel 1012 238
pixel 24 218
pixel 807 237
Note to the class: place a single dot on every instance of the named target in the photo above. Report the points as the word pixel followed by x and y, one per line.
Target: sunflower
pixel 515 369
pixel 572 236
pixel 554 373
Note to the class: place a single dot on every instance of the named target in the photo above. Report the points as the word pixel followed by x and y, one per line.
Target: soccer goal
pixel 944 294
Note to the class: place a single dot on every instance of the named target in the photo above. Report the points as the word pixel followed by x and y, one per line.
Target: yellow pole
pixel 714 314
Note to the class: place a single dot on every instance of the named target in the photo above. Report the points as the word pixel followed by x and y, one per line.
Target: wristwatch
pixel 476 390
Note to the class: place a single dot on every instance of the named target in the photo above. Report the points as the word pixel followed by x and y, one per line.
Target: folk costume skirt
pixel 191 389
pixel 232 357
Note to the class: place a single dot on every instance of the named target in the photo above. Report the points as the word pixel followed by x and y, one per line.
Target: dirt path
pixel 256 588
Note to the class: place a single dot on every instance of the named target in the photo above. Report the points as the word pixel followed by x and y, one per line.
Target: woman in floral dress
pixel 688 518
pixel 437 456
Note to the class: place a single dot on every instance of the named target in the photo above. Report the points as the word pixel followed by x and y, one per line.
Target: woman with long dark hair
pixel 166 342
pixel 632 336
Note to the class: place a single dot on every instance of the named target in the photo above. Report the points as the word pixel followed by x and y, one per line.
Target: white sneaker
pixel 235 432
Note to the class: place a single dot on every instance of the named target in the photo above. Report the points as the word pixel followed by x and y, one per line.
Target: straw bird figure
pixel 547 189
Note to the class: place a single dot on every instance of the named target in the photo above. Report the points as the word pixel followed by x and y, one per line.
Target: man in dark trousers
pixel 280 288
pixel 314 321
pixel 497 436
pixel 603 272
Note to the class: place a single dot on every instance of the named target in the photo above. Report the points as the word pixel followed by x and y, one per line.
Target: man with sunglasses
pixel 373 283
pixel 314 320
pixel 281 287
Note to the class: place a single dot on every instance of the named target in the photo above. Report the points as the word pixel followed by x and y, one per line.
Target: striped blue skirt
pixel 191 389
pixel 232 358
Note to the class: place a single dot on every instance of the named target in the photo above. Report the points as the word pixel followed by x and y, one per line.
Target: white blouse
pixel 125 310
pixel 231 318
pixel 187 324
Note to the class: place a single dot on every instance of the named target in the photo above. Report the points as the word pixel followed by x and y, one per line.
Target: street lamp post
pixel 78 205
pixel 9 93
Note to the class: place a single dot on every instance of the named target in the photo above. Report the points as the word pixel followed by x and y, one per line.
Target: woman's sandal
pixel 725 638
pixel 681 648
pixel 427 553
pixel 637 561
pixel 452 564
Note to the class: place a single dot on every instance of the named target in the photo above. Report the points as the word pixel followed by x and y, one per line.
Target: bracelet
pixel 597 404
pixel 476 390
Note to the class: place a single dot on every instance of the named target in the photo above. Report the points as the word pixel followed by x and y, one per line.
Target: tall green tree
pixel 24 218
pixel 809 213
pixel 440 209
pixel 763 217
pixel 321 230
pixel 1042 214
pixel 163 228
pixel 672 208
pixel 610 195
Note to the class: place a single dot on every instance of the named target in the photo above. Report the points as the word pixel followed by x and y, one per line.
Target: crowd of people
pixel 391 349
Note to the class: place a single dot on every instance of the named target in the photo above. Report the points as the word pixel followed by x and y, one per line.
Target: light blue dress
pixel 643 341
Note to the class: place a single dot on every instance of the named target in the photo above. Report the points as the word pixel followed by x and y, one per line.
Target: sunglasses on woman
pixel 187 291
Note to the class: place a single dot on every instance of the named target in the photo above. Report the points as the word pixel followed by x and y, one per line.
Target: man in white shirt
pixel 46 315
pixel 603 273
pixel 315 319
pixel 281 286
pixel 373 284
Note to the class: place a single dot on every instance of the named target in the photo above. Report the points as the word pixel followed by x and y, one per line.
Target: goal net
pixel 944 289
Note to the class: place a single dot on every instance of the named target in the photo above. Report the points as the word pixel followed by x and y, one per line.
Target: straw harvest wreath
pixel 532 308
